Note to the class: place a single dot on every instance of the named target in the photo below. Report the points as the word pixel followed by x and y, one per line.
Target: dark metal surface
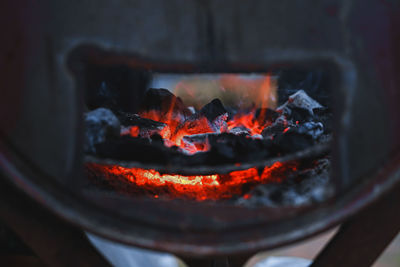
pixel 56 242
pixel 41 127
pixel 362 239
pixel 234 261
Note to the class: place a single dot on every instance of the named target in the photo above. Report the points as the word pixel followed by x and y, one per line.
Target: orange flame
pixel 248 120
pixel 134 131
pixel 178 127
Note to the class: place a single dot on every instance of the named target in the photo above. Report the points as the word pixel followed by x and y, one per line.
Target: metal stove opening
pixel 244 138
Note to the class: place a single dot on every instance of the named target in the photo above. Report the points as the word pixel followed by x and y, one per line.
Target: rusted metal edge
pixel 364 236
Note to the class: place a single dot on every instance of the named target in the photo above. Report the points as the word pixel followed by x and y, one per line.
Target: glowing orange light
pixel 247 196
pixel 249 121
pixel 199 187
pixel 134 131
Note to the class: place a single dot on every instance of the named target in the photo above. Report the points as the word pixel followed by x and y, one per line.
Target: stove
pixel 58 58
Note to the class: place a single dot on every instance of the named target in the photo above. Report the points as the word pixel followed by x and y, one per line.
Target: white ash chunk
pixel 257 136
pixel 100 124
pixel 314 129
pixel 281 120
pixel 219 124
pixel 197 138
pixel 300 99
pixel 125 130
pixel 192 110
pixel 239 130
pixel 192 143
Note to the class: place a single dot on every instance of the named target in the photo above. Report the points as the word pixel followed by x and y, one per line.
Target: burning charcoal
pixel 239 130
pixel 266 114
pixel 219 124
pixel 277 127
pixel 145 127
pixel 197 138
pixel 163 101
pixel 100 124
pixel 300 99
pixel 313 129
pixel 195 124
pixel 213 109
pixel 188 148
pixel 168 143
pixel 196 142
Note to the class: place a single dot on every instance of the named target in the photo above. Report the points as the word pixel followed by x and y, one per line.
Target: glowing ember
pixel 134 131
pixel 199 187
pixel 250 122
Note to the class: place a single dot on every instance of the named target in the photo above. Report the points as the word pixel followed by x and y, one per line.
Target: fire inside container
pixel 254 138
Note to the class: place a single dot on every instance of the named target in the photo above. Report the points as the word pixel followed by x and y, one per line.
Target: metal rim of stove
pixel 297 224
